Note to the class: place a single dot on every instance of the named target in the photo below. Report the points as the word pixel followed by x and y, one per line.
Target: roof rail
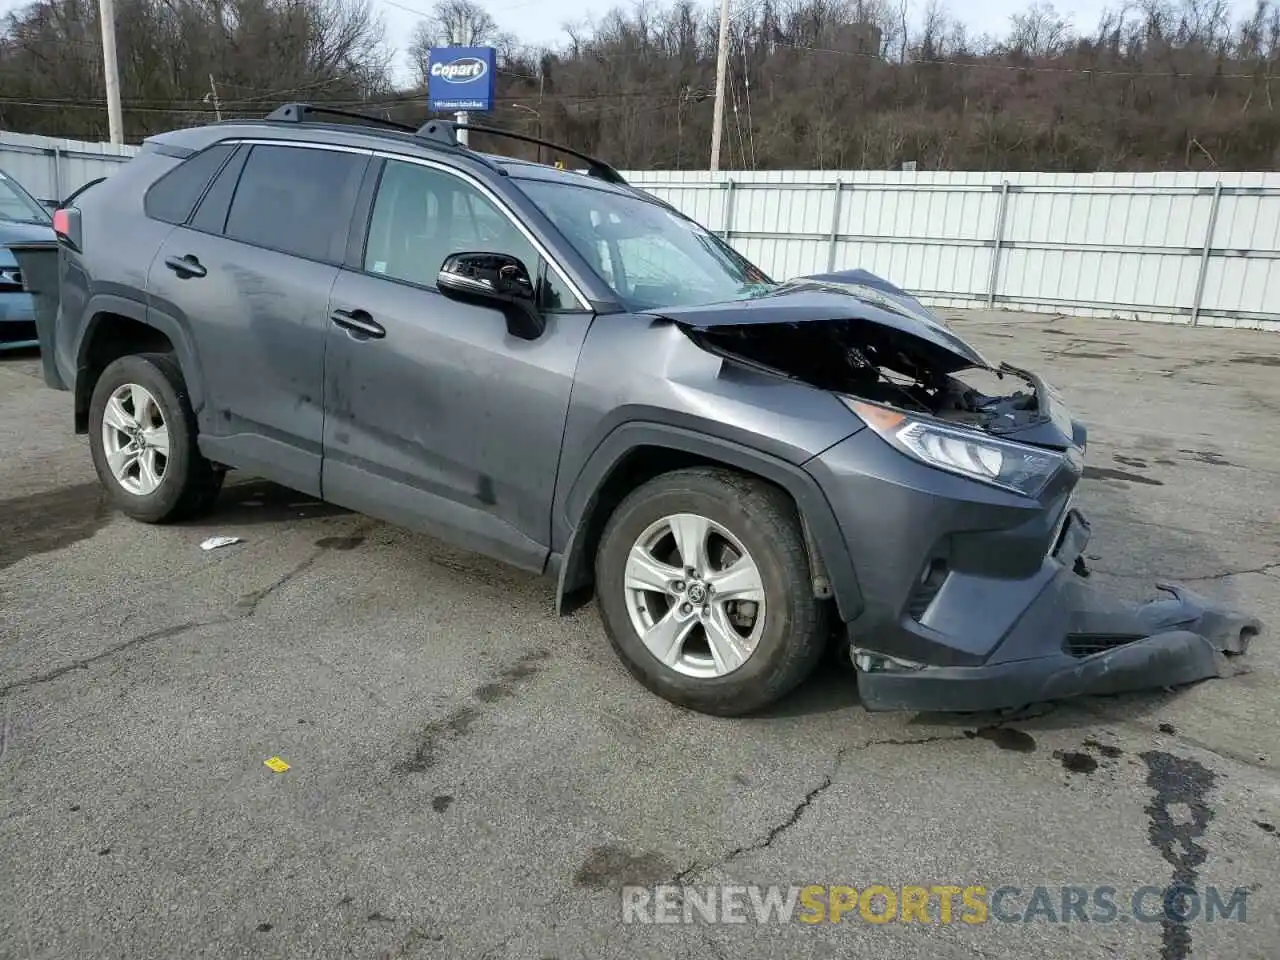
pixel 302 112
pixel 444 131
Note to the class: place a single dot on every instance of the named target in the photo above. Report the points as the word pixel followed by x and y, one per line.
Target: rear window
pixel 175 195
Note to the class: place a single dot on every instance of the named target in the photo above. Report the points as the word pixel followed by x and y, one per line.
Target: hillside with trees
pixel 1160 85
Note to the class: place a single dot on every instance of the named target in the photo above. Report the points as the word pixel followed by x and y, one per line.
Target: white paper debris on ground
pixel 213 543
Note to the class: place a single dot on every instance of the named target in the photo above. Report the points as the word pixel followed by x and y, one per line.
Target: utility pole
pixel 542 85
pixel 115 122
pixel 462 116
pixel 722 65
pixel 212 97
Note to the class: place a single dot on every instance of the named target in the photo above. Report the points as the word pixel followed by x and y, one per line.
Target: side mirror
pixel 494 279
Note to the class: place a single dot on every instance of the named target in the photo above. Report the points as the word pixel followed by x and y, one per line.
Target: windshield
pixel 17 204
pixel 650 255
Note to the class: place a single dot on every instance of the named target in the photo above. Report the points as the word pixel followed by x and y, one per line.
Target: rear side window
pixel 295 200
pixel 211 215
pixel 174 196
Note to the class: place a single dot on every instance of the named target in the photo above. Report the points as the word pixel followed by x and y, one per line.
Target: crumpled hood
pixel 846 295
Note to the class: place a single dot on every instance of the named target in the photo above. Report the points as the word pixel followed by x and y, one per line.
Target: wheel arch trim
pixel 100 308
pixel 821 528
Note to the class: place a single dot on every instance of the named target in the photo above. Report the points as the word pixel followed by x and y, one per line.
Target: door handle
pixel 187 266
pixel 359 324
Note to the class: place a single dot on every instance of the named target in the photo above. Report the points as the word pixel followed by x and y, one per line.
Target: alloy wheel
pixel 694 595
pixel 135 439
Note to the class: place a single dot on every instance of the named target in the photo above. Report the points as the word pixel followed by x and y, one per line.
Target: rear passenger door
pixel 248 274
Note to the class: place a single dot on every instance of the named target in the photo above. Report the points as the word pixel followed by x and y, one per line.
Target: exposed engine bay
pixel 878 364
pixel 1047 634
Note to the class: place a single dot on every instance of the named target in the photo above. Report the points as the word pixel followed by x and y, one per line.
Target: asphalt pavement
pixel 470 775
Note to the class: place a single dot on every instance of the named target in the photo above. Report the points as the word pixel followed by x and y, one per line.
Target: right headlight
pixel 1000 463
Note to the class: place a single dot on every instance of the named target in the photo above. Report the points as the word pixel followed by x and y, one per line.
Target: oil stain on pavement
pixel 50 520
pixel 457 723
pixel 1006 738
pixel 1185 785
pixel 1107 473
pixel 1075 762
pixel 339 543
pixel 607 867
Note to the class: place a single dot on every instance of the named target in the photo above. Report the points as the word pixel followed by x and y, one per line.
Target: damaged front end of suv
pixel 956 504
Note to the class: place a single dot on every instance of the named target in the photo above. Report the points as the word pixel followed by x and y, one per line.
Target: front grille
pixel 1087 644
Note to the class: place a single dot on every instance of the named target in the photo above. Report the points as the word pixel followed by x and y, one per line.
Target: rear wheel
pixel 142 435
pixel 704 587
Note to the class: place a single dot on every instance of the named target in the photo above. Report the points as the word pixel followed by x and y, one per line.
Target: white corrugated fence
pixel 50 168
pixel 1196 248
pixel 1175 247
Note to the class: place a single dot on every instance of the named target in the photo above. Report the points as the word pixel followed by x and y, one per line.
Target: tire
pixel 762 519
pixel 185 483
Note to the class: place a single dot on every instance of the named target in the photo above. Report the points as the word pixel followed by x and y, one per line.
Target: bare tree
pixel 1040 31
pixel 455 23
pixel 1160 84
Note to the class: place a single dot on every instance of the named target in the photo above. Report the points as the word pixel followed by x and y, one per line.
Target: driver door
pixel 436 417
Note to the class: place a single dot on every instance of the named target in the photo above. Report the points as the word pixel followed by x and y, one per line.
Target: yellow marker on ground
pixel 276 764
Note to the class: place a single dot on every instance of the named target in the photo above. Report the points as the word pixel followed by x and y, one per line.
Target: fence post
pixel 726 213
pixel 57 174
pixel 835 226
pixel 1204 254
pixel 995 247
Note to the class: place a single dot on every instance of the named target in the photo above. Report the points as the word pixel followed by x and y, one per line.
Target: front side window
pixel 17 204
pixel 423 215
pixel 291 199
pixel 651 256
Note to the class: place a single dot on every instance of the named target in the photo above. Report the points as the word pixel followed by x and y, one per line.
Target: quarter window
pixel 174 196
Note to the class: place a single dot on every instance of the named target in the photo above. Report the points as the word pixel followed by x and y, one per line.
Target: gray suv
pixel 558 370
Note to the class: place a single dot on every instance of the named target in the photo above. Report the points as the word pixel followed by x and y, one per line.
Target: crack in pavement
pixel 797 813
pixel 247 606
pixel 250 602
pixel 1264 570
pixel 84 662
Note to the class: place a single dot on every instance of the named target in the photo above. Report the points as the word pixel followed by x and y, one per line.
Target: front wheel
pixel 704 587
pixel 142 435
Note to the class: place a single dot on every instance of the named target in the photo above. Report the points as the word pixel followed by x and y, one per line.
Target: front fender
pixel 582 501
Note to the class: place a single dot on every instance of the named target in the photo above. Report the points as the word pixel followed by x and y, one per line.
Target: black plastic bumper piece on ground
pixel 1099 650
pixel 38 261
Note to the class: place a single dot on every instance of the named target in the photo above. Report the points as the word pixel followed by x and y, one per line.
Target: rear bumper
pixel 39 263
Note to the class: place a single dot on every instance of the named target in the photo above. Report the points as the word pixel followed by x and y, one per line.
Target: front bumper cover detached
pixel 1083 645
